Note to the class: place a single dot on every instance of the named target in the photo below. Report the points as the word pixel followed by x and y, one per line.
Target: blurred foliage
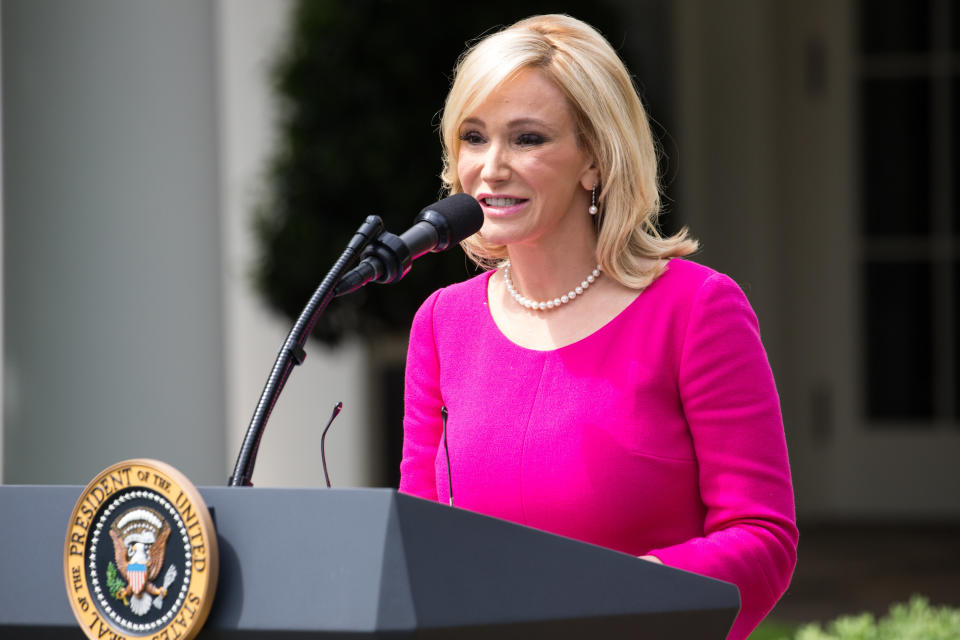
pixel 360 86
pixel 773 630
pixel 914 620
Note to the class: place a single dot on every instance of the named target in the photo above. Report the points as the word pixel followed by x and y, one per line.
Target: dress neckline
pixel 607 326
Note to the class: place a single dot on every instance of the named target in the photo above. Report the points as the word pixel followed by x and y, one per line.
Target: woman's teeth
pixel 502 202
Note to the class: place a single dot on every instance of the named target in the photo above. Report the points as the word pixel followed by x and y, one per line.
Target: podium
pixel 357 563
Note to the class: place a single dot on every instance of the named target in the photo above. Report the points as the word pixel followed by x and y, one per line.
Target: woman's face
pixel 519 157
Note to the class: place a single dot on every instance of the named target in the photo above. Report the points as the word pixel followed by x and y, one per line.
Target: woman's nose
pixel 496 164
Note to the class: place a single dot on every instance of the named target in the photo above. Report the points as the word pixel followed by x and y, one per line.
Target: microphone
pixel 436 228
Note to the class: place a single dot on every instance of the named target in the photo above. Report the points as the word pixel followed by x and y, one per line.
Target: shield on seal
pixel 137 574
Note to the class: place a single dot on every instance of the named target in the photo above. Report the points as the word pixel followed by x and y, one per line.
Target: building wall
pixel 767 97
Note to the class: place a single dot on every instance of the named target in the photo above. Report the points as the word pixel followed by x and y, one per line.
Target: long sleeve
pixel 733 412
pixel 422 425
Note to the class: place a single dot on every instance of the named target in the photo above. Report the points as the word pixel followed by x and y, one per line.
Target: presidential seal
pixel 140 557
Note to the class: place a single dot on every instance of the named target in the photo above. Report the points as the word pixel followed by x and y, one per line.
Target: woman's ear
pixel 590 177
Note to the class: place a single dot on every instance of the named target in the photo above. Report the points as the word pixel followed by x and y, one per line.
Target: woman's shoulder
pixel 694 293
pixel 683 278
pixel 685 285
pixel 686 271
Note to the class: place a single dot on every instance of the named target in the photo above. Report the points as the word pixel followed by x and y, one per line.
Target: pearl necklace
pixel 549 304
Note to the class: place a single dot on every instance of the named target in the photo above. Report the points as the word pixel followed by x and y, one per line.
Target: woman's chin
pixel 497 233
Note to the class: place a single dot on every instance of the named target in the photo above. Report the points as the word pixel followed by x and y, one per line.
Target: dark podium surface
pixel 350 563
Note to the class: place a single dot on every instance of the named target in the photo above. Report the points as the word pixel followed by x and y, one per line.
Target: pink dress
pixel 658 434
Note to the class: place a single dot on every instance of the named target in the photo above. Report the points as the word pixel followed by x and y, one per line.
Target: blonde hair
pixel 612 126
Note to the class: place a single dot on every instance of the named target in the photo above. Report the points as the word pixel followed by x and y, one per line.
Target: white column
pixel 249 36
pixel 113 316
pixel 1 250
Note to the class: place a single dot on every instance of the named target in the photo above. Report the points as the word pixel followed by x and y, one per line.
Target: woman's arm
pixel 733 411
pixel 422 425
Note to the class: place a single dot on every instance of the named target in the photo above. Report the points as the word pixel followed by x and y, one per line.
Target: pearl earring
pixel 593 202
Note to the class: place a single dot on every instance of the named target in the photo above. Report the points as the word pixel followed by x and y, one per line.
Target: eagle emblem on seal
pixel 139 543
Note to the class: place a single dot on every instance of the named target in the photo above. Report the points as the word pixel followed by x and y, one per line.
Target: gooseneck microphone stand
pixel 292 352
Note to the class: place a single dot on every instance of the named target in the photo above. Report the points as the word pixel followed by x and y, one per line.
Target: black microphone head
pixel 456 219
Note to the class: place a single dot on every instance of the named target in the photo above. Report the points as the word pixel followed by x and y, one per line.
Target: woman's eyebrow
pixel 512 124
pixel 522 122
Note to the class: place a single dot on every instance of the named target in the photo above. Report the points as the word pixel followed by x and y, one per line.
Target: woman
pixel 593 384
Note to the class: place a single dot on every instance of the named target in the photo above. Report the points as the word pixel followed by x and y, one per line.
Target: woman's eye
pixel 530 139
pixel 472 137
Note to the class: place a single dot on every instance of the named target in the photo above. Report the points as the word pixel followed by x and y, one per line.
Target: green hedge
pixel 913 620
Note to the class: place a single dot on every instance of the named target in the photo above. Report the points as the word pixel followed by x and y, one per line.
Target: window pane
pixel 898 324
pixel 955 40
pixel 955 149
pixel 956 341
pixel 895 156
pixel 893 26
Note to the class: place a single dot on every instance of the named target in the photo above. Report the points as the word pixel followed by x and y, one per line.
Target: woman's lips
pixel 500 205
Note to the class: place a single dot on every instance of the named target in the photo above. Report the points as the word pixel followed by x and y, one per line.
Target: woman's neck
pixel 543 273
